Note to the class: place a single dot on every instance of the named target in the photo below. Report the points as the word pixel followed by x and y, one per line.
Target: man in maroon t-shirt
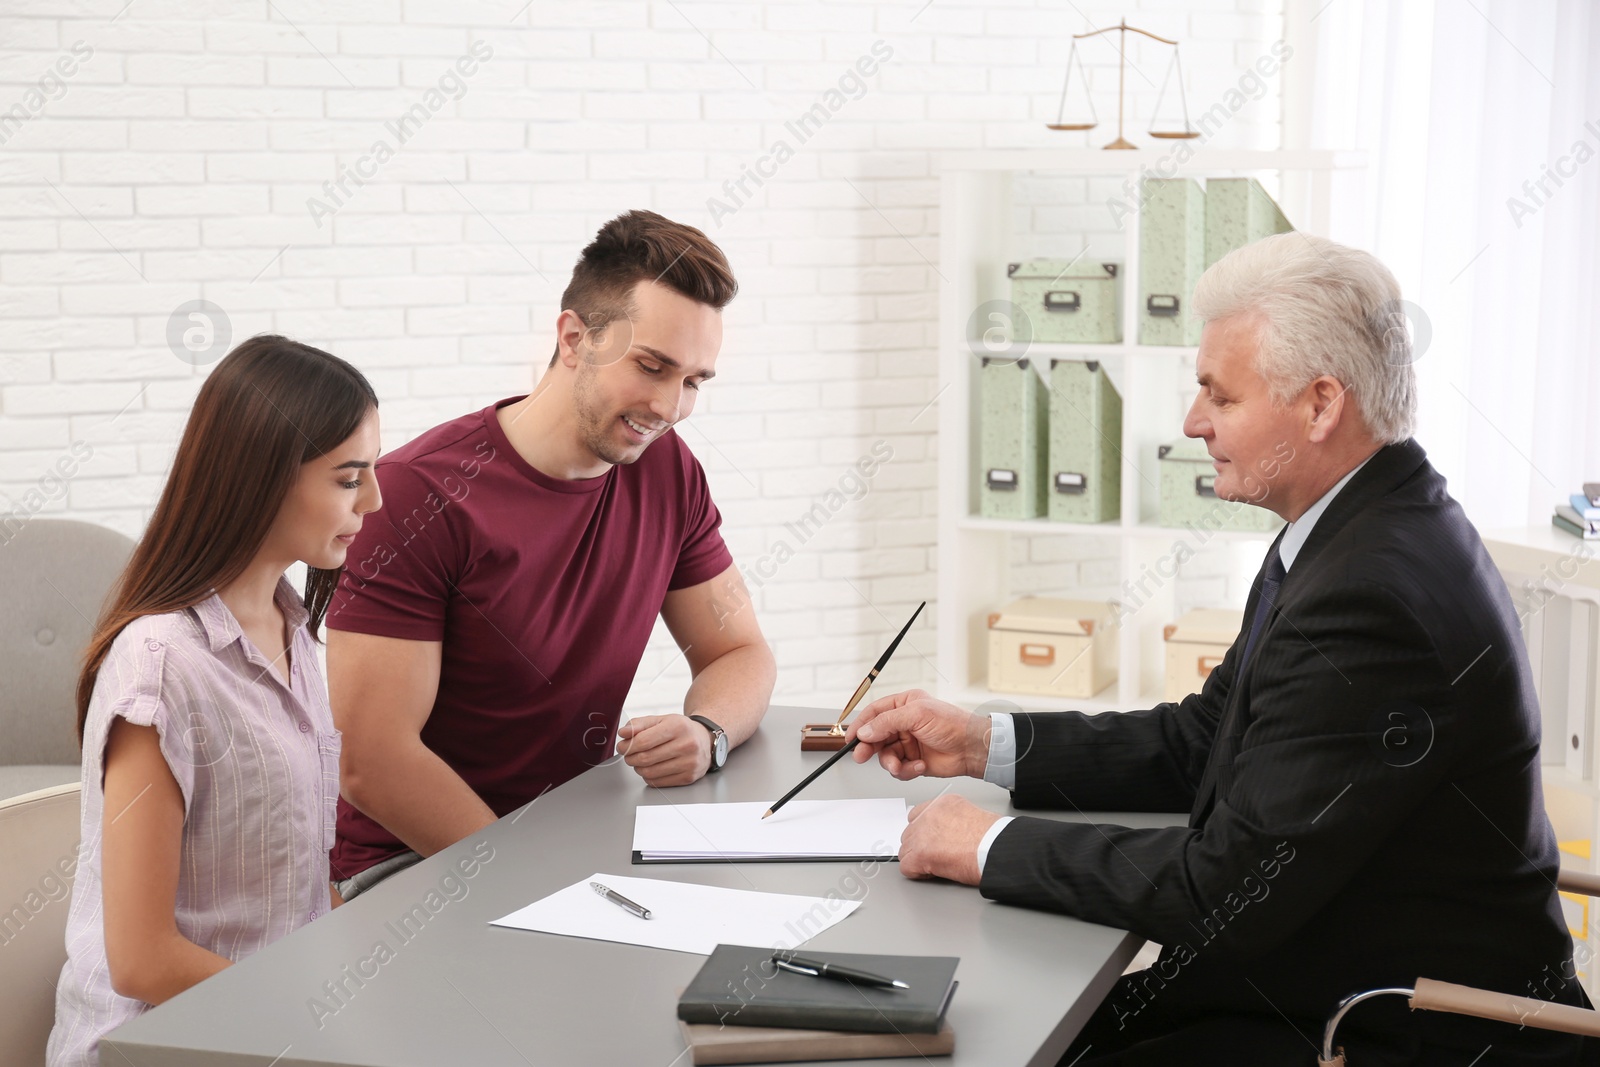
pixel 491 617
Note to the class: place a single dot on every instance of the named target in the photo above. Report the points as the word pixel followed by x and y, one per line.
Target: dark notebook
pixel 739 986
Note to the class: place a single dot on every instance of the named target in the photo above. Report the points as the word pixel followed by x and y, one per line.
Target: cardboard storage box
pixel 1172 250
pixel 1084 477
pixel 1045 646
pixel 1189 497
pixel 1196 644
pixel 1076 303
pixel 1011 439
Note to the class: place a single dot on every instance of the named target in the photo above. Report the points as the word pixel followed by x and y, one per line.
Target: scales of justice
pixel 1188 132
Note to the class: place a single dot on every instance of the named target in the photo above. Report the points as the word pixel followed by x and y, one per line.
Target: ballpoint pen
pixel 822 969
pixel 620 901
pixel 861 691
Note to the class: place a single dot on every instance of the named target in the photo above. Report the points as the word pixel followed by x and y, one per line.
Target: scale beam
pixel 1122 29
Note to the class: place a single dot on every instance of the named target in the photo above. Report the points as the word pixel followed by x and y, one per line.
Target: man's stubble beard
pixel 595 428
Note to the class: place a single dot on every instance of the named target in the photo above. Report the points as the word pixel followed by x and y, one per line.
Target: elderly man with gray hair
pixel 1362 771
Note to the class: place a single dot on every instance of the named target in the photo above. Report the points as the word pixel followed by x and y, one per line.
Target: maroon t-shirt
pixel 543 592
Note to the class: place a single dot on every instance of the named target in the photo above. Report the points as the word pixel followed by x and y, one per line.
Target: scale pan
pixel 1175 135
pixel 1071 125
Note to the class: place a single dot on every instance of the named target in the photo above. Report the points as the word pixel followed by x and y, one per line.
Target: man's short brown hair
pixel 641 246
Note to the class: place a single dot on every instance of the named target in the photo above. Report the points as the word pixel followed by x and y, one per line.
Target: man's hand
pixel 941 841
pixel 913 734
pixel 666 749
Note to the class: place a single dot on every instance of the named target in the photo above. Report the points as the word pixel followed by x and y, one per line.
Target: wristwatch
pixel 719 743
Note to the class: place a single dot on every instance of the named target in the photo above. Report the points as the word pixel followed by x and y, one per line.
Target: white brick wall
pixel 176 161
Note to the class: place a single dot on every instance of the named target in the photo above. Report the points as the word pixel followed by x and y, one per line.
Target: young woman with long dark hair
pixel 210 758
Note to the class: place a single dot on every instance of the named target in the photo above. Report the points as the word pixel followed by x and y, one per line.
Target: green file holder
pixel 1172 245
pixel 1189 499
pixel 1239 212
pixel 1011 442
pixel 1084 482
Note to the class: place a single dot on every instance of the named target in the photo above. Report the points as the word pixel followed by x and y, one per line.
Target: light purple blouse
pixel 258 764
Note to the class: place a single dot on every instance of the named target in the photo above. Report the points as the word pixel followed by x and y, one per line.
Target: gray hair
pixel 1326 309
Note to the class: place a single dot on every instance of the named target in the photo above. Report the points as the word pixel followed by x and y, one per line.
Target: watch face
pixel 719 747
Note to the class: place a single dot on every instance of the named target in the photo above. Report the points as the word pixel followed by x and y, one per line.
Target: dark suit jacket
pixel 1364 799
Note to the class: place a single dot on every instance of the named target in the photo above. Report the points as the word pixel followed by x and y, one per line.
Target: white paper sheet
pixel 800 830
pixel 683 917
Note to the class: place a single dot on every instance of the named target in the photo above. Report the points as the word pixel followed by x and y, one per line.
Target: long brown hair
pixel 269 406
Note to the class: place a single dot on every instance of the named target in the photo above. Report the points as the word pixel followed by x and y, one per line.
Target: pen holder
pixel 821 737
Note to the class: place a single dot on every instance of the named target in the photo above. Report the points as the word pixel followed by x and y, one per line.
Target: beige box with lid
pixel 1046 646
pixel 1196 644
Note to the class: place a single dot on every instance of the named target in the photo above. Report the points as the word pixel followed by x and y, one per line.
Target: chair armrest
pixel 1519 1011
pixel 1578 882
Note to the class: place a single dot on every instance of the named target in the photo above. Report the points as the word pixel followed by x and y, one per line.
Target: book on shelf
pixel 1585 508
pixel 1568 520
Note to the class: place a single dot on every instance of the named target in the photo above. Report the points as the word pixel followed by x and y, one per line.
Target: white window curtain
pixel 1481 122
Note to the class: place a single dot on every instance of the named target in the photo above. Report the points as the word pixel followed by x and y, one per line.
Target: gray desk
pixel 451 989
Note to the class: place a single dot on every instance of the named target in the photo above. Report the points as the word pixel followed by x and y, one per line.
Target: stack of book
pixel 1580 517
pixel 743 1008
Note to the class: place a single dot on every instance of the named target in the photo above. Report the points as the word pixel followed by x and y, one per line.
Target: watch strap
pixel 715 731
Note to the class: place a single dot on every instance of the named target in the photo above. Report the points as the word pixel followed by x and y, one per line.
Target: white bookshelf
pixel 1319 191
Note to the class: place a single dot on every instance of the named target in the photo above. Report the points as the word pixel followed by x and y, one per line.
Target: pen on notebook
pixel 821 969
pixel 620 901
pixel 861 691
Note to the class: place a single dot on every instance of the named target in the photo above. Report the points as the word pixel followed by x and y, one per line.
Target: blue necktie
pixel 1271 578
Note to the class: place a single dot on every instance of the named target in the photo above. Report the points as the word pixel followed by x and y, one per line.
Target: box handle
pixel 1001 479
pixel 1205 485
pixel 1071 482
pixel 1037 655
pixel 1162 305
pixel 1206 664
pixel 1062 300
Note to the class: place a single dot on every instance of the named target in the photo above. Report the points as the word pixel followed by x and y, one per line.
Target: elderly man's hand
pixel 941 841
pixel 912 734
